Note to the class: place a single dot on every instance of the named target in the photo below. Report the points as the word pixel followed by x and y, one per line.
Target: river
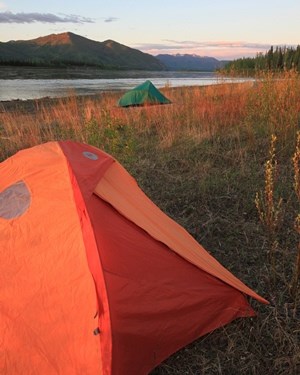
pixel 35 83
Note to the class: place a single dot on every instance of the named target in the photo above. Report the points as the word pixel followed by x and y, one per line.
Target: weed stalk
pixel 269 208
pixel 296 167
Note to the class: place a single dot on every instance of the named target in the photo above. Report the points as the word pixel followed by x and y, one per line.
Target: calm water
pixel 34 83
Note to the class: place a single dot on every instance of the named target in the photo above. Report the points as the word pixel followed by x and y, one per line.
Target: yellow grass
pixel 195 112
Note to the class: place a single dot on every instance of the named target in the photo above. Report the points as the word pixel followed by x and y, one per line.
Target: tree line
pixel 275 59
pixel 48 63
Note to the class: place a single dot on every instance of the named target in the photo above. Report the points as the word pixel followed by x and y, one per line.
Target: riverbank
pixel 33 105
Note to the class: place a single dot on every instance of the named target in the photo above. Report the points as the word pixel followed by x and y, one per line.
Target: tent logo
pixel 14 200
pixel 90 155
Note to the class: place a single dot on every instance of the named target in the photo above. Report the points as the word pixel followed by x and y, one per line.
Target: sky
pixel 224 29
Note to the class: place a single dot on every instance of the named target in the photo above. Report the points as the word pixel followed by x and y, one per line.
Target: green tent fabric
pixel 144 94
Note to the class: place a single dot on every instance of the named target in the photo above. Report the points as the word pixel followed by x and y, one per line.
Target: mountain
pixel 71 49
pixel 190 62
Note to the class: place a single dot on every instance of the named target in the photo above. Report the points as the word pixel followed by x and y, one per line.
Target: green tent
pixel 144 94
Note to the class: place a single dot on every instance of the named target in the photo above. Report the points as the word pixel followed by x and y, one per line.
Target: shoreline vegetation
pixel 275 60
pixel 223 161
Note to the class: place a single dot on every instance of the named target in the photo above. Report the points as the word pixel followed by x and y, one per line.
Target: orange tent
pixel 94 278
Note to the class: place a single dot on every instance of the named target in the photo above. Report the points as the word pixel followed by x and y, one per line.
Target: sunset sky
pixel 225 29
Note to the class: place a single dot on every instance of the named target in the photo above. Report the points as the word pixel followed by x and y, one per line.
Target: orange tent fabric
pixel 47 296
pixel 133 204
pixel 94 278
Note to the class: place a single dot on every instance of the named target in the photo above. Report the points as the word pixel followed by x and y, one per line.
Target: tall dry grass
pixel 202 159
pixel 273 105
pixel 269 106
pixel 196 112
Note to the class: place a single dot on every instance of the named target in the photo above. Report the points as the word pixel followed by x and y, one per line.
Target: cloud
pixel 183 45
pixel 9 17
pixel 110 19
pixel 219 49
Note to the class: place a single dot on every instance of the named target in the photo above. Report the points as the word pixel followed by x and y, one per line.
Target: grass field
pixel 222 161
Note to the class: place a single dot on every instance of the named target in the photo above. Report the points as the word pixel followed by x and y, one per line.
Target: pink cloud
pixel 218 49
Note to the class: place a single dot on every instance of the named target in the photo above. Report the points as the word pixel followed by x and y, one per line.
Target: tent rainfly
pixel 94 278
pixel 144 94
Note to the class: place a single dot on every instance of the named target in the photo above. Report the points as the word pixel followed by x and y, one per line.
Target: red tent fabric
pixel 94 278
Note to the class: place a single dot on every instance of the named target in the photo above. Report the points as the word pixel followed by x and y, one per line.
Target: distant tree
pixel 276 59
pixel 288 58
pixel 260 62
pixel 280 59
pixel 296 59
pixel 270 57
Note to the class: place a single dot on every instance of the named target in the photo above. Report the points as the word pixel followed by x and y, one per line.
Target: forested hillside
pixel 69 49
pixel 275 59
